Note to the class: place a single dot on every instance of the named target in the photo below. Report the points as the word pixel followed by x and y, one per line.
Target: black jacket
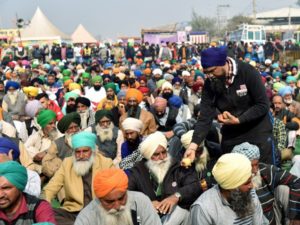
pixel 177 179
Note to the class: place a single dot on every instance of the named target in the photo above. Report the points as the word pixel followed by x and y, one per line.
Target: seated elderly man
pixel 114 204
pixel 38 143
pixel 86 114
pixel 130 152
pixel 75 177
pixel 278 190
pixel 17 207
pixel 61 147
pixel 108 135
pixel 232 200
pixel 170 187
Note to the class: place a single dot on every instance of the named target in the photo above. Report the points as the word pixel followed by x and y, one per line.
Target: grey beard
pixel 105 134
pixel 53 134
pixel 13 97
pixel 113 216
pixel 256 180
pixel 241 203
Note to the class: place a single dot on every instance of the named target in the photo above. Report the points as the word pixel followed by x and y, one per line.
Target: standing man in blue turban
pixel 235 94
pixel 17 207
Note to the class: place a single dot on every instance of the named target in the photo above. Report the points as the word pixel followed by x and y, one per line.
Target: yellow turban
pixel 150 144
pixel 74 86
pixel 32 91
pixel 107 180
pixel 232 170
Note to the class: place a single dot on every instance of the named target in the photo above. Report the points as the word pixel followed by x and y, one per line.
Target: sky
pixel 114 18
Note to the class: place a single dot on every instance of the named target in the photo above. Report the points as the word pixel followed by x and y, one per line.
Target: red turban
pixel 107 180
pixel 134 93
pixel 144 90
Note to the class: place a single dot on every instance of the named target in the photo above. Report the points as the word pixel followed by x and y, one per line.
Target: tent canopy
pixel 81 35
pixel 40 28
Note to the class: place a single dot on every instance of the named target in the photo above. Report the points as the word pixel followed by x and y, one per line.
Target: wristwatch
pixel 177 195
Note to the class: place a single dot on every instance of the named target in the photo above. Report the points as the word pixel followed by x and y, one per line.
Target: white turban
pixel 186 139
pixel 157 71
pixel 151 143
pixel 132 124
pixel 186 73
pixel 232 170
pixel 167 85
pixel 32 108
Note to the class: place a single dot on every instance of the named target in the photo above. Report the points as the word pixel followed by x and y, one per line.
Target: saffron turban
pixel 45 116
pixel 108 180
pixel 15 173
pixel 103 113
pixel 65 122
pixel 160 102
pixel 147 71
pixel 248 150
pixel 132 124
pixel 32 91
pixel 6 145
pixel 151 143
pixel 84 139
pixel 213 57
pixel 232 170
pixel 134 93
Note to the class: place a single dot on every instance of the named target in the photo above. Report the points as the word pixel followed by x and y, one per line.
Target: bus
pixel 249 34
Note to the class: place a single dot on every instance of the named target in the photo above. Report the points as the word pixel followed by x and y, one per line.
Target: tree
pixel 237 20
pixel 200 23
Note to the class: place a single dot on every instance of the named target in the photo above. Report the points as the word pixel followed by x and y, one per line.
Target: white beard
pixel 105 134
pixel 159 168
pixel 114 217
pixel 68 139
pixel 257 180
pixel 13 96
pixel 84 115
pixel 81 168
pixel 53 135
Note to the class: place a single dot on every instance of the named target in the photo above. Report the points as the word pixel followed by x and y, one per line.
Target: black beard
pixel 97 87
pixel 218 85
pixel 241 203
pixel 110 97
pixel 131 110
pixel 167 95
pixel 133 144
pixel 70 108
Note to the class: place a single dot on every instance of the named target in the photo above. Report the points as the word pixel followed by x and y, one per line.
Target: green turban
pixel 15 173
pixel 86 75
pixel 66 73
pixel 103 113
pixel 97 79
pixel 110 85
pixel 70 94
pixel 45 116
pixel 66 78
pixel 64 123
pixel 84 139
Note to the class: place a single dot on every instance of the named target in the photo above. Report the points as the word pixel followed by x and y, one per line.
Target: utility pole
pixel 254 9
pixel 219 18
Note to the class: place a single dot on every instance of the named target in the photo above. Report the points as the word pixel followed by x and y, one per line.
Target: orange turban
pixel 147 71
pixel 106 72
pixel 107 180
pixel 134 93
pixel 67 83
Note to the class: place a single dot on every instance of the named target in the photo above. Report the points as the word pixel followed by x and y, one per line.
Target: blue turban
pixel 248 150
pixel 287 90
pixel 213 57
pixel 121 94
pixel 138 73
pixel 277 74
pixel 108 65
pixel 84 139
pixel 175 101
pixel 6 145
pixel 290 79
pixel 176 79
pixel 247 56
pixel 13 84
pixel 15 173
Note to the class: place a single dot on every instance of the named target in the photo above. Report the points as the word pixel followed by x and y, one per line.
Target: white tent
pixel 81 35
pixel 41 29
pixel 279 13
